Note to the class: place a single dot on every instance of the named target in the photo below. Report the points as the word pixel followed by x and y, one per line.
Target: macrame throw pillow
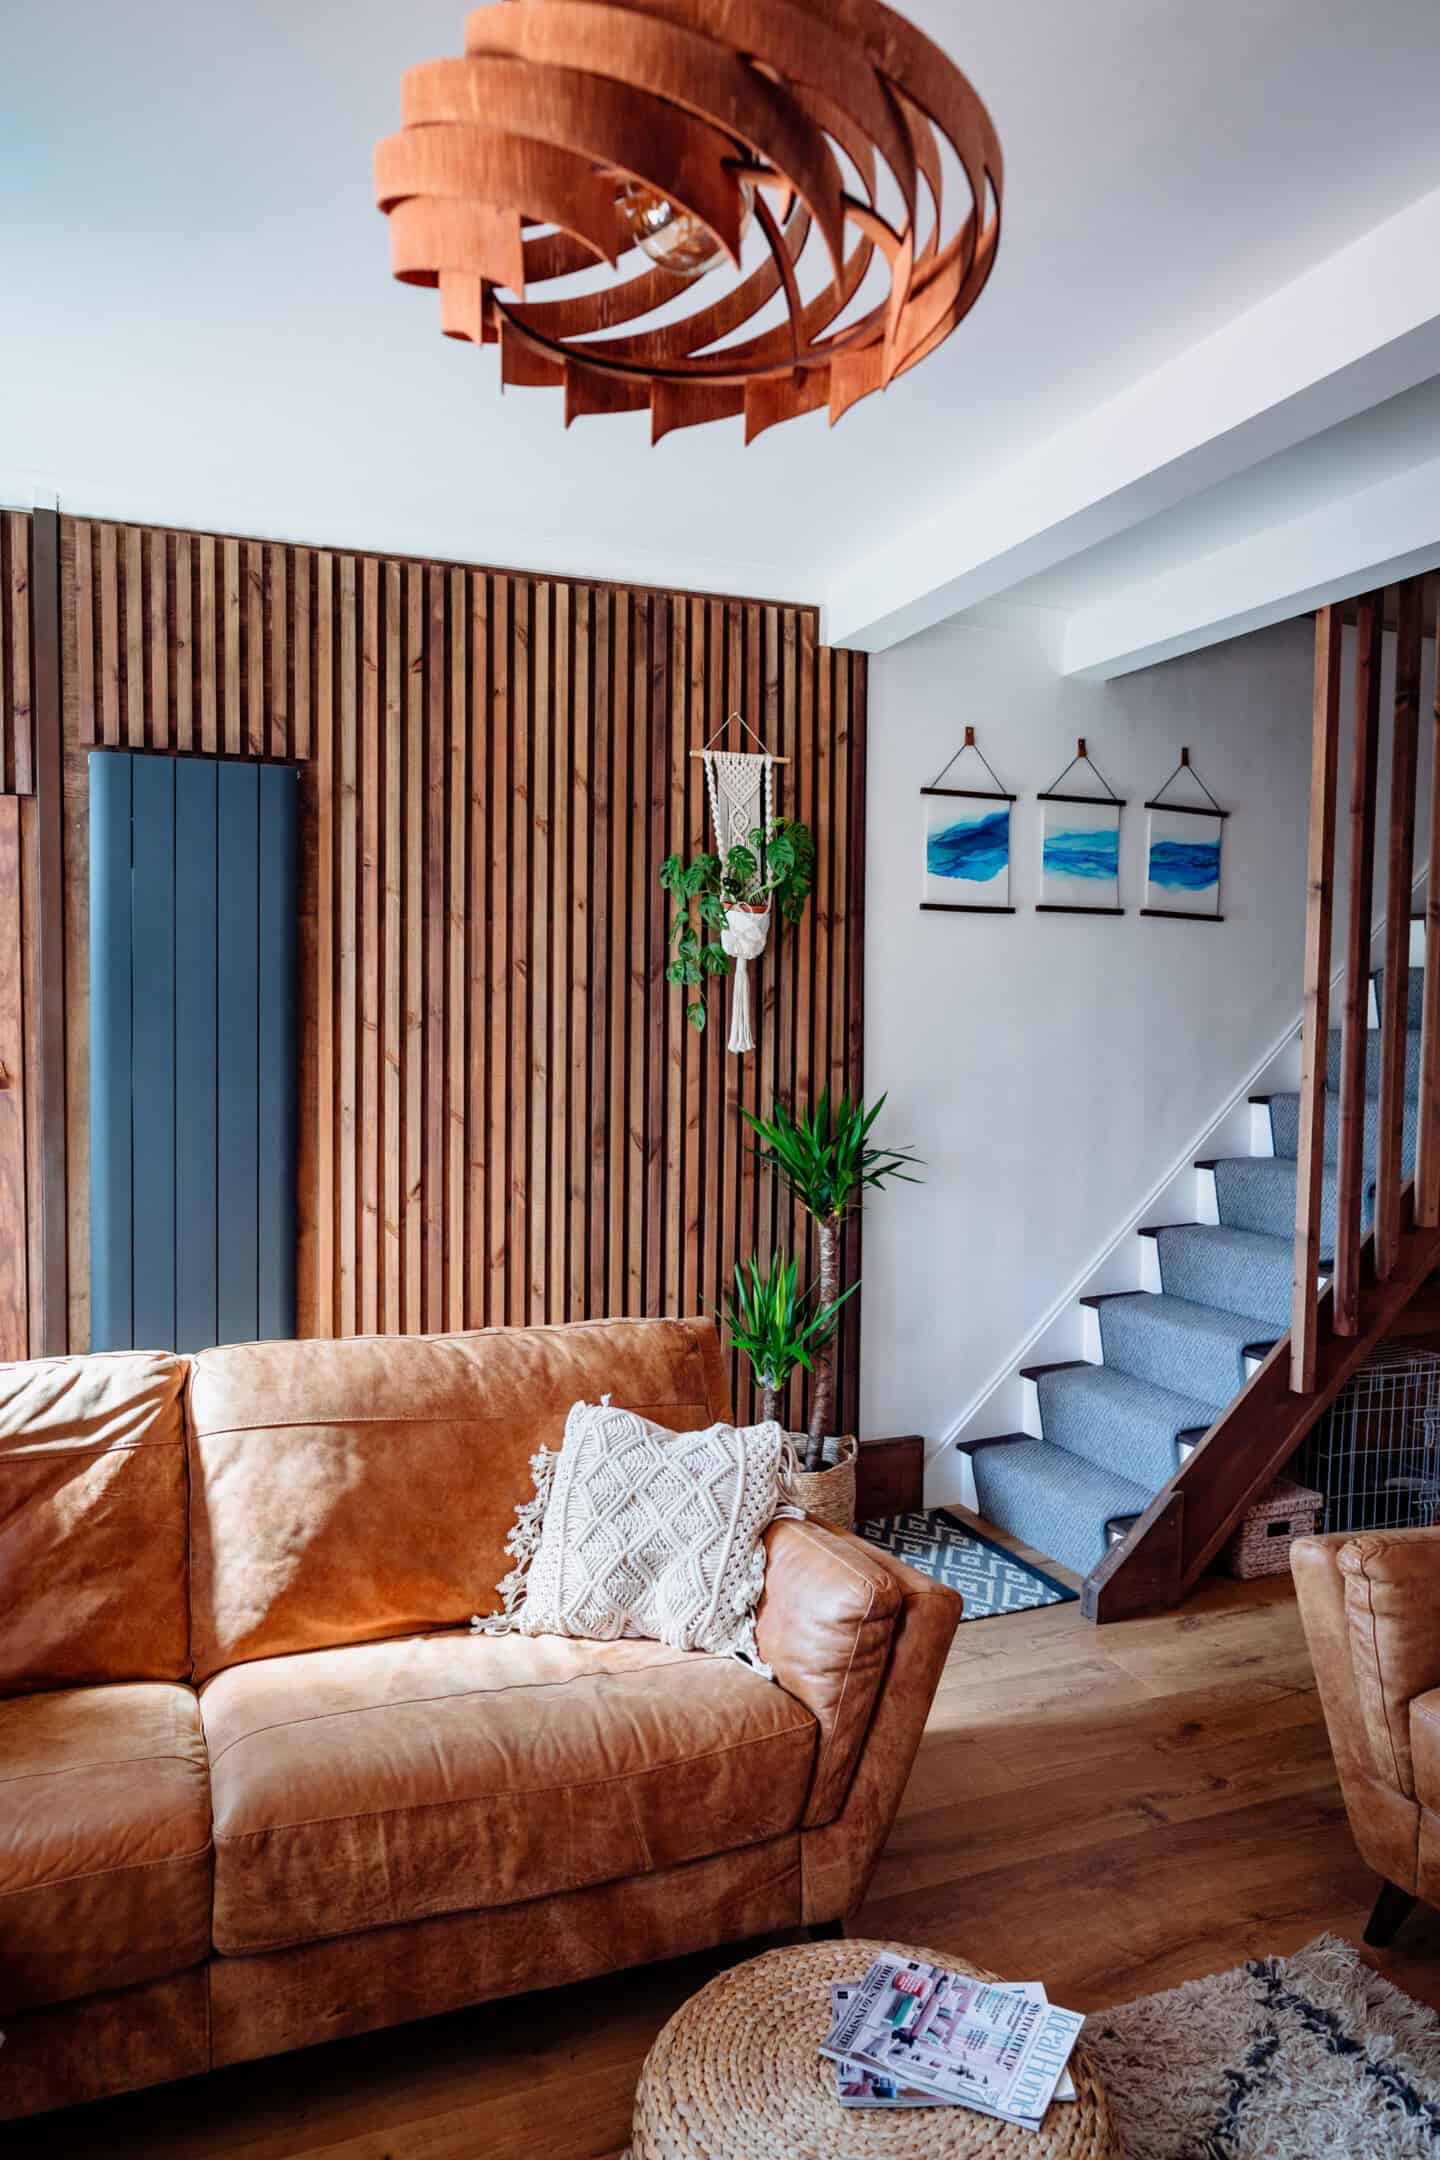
pixel 636 1531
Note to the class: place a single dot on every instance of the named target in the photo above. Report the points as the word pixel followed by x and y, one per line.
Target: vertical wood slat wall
pixel 504 1115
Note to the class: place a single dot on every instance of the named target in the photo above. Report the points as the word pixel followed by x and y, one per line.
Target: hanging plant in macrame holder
pixel 761 861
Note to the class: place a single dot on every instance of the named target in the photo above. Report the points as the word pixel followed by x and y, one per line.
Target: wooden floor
pixel 1109 1810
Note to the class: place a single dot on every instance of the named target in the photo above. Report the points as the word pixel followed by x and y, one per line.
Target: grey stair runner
pixel 1173 1360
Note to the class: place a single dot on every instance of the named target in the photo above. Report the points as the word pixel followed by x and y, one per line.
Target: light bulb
pixel 673 238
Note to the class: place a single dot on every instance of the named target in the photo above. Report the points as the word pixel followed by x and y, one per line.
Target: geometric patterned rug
pixel 991 1580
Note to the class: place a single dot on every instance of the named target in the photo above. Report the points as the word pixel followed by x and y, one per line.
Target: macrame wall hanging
pixel 740 785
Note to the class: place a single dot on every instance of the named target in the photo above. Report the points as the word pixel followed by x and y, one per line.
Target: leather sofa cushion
pixel 104 1841
pixel 92 1521
pixel 386 1782
pixel 351 1491
pixel 825 1625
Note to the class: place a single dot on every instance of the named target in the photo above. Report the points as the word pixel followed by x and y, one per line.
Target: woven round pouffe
pixel 737 2075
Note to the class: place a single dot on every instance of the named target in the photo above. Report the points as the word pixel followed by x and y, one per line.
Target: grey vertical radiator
pixel 193 1051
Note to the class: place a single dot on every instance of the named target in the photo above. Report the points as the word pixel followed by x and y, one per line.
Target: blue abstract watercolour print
pixel 967 851
pixel 1080 854
pixel 1183 862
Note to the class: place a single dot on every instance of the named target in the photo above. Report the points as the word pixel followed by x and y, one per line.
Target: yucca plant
pixel 778 1326
pixel 825 1160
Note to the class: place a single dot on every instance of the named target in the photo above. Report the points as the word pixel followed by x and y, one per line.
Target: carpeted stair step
pixel 1285 1128
pixel 1124 1425
pixel 1197 1350
pixel 1257 1192
pixel 1414 994
pixel 1240 1271
pixel 1055 1501
pixel 1372 1062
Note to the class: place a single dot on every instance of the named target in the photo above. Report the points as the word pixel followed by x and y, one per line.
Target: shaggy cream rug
pixel 1311 2057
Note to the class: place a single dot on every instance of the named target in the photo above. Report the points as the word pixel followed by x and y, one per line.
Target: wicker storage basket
pixel 1261 1545
pixel 828 1495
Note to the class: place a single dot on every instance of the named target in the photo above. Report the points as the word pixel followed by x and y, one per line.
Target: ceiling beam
pixel 1360 327
pixel 1368 538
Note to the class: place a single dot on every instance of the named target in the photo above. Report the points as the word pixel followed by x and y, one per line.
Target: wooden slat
pixel 621 836
pixel 1319 916
pixel 1427 1159
pixel 348 956
pixel 414 1173
pixel 518 1108
pixel 497 1194
pixel 278 607
pixel 20 728
pixel 602 747
pixel 1364 750
pixel 457 1094
pixel 371 1107
pixel 254 650
pixel 49 1326
pixel 477 956
pixel 184 647
pixel 134 637
pixel 158 605
pixel 299 745
pixel 1395 981
pixel 578 1212
pixel 557 1258
pixel 435 903
pixel 538 973
pixel 231 599
pixel 659 1008
pixel 83 634
pixel 392 1038
pixel 638 910
pixel 109 638
pixel 209 648
pixel 14 1242
pixel 323 1300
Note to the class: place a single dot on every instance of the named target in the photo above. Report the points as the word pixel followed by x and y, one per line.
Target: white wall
pixel 1050 1068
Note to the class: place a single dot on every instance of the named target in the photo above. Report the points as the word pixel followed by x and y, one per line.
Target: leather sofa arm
pixel 1392 1613
pixel 828 1624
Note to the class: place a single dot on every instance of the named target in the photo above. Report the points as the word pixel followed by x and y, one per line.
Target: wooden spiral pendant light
pixel 577 131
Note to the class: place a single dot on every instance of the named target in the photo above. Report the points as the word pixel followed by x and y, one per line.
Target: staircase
pixel 1104 1434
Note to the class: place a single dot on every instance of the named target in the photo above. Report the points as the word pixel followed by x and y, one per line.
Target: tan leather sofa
pixel 1370 1602
pixel 261 1786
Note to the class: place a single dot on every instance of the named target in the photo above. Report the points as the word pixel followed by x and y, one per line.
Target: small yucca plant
pixel 825 1160
pixel 777 1326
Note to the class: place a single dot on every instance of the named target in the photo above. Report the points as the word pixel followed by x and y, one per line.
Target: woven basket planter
pixel 1261 1545
pixel 828 1495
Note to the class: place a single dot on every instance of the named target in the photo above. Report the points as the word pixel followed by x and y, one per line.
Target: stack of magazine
pixel 916 2035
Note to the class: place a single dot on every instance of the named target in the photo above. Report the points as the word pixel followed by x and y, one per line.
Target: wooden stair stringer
pixel 1249 1444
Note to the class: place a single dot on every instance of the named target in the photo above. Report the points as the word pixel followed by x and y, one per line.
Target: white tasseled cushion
pixel 636 1531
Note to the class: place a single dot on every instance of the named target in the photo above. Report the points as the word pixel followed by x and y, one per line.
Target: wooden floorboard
pixel 1111 1810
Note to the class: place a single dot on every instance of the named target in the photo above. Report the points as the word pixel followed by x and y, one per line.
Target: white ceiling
pixel 197 322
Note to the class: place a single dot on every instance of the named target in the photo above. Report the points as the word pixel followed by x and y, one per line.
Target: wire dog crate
pixel 1375 1455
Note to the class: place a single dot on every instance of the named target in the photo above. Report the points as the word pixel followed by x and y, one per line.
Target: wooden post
pixel 1354 1043
pixel 1427 1158
pixel 54 1330
pixel 1319 916
pixel 1395 987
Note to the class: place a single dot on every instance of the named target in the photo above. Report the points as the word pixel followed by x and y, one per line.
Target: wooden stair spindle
pixel 1427 1155
pixel 1354 1042
pixel 1395 987
pixel 1319 917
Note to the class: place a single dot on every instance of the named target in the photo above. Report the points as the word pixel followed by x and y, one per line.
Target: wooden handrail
pixel 1395 982
pixel 1319 913
pixel 1354 1042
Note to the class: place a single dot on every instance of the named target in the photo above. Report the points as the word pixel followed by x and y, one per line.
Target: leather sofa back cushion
pixel 92 1521
pixel 351 1491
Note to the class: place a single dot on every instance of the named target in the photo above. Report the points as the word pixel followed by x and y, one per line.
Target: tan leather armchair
pixel 1370 1603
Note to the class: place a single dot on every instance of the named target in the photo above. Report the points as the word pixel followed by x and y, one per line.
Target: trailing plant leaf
pixel 778 868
